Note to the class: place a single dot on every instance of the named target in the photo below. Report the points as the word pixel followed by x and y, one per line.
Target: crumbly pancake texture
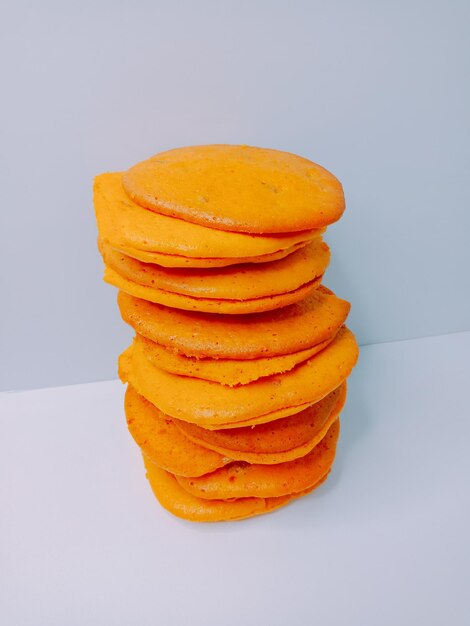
pixel 161 441
pixel 229 372
pixel 282 440
pixel 246 480
pixel 237 188
pixel 284 331
pixel 125 225
pixel 209 403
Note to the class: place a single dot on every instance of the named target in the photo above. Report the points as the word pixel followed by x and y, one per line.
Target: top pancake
pixel 151 237
pixel 284 331
pixel 237 188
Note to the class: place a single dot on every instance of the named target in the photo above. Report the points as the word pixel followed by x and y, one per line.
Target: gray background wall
pixel 374 91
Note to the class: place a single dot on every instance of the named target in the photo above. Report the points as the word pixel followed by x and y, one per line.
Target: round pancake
pixel 179 502
pixel 174 260
pixel 245 480
pixel 284 331
pixel 125 225
pixel 208 305
pixel 161 441
pixel 275 442
pixel 168 444
pixel 237 282
pixel 288 455
pixel 237 188
pixel 204 402
pixel 224 371
pixel 125 372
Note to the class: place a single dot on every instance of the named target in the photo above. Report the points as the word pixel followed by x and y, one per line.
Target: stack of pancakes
pixel 236 376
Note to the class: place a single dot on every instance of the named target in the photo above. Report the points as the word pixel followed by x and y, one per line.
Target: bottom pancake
pixel 244 480
pixel 186 506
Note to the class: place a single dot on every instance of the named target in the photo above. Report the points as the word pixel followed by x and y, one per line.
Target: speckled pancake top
pixel 237 188
pixel 284 331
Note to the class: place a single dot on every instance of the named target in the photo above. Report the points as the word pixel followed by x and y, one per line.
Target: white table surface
pixel 384 541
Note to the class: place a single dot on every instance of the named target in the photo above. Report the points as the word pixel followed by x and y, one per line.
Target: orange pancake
pixel 262 419
pixel 126 376
pixel 237 282
pixel 179 502
pixel 284 331
pixel 224 371
pixel 209 403
pixel 126 226
pixel 169 445
pixel 174 260
pixel 283 440
pixel 208 305
pixel 237 188
pixel 245 480
pixel 161 441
